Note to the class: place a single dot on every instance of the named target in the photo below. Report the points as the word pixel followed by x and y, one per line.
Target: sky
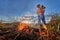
pixel 23 7
pixel 26 7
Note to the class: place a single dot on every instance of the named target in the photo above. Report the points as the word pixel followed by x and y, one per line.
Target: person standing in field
pixel 40 14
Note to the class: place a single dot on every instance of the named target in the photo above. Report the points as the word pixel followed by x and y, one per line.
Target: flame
pixel 22 26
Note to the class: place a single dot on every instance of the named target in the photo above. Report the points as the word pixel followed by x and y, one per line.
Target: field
pixel 8 31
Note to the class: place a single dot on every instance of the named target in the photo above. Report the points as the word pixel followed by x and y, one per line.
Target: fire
pixel 22 26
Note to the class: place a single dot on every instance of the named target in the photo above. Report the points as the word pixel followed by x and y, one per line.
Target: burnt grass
pixel 31 34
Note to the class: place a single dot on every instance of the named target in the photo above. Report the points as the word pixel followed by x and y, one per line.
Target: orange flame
pixel 22 26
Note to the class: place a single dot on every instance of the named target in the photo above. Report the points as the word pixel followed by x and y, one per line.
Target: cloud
pixel 27 13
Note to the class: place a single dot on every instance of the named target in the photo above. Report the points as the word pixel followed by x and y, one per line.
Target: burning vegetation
pixel 28 33
pixel 25 32
pixel 22 26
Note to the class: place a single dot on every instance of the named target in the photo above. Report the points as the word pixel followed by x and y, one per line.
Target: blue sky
pixel 23 7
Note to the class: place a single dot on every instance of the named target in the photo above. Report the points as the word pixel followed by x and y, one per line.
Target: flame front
pixel 22 26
